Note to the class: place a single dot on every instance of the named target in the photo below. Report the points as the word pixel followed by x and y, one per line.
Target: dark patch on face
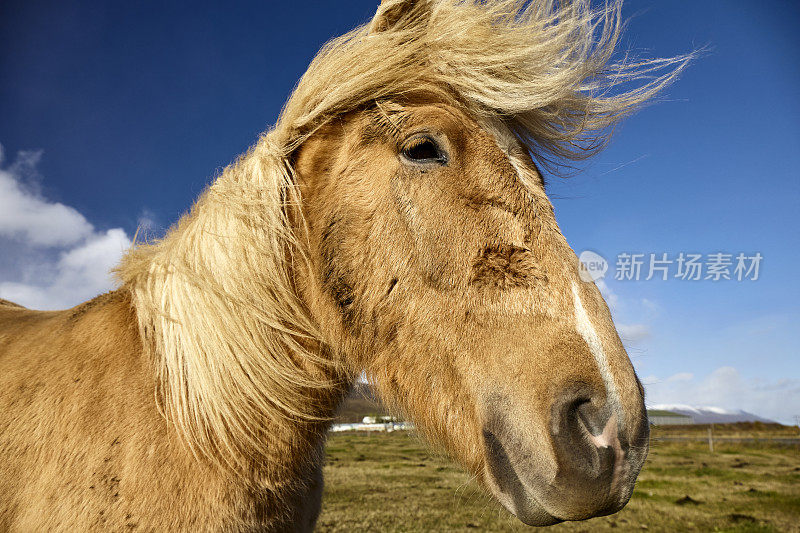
pixel 506 266
pixel 392 285
pixel 334 276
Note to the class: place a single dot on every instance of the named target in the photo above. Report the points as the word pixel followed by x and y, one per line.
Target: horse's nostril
pixel 577 412
pixel 584 438
pixel 588 417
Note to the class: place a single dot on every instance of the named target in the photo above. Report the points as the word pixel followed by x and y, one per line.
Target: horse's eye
pixel 424 150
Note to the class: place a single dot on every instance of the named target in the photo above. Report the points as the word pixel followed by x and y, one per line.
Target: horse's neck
pixel 242 377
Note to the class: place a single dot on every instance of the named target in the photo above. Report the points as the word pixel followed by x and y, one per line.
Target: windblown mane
pixel 236 350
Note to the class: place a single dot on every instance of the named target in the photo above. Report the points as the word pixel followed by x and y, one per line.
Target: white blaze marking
pixel 587 331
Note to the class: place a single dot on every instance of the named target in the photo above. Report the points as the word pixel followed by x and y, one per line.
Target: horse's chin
pixel 534 515
pixel 527 509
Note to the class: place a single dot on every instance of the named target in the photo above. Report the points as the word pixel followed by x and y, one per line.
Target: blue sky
pixel 115 116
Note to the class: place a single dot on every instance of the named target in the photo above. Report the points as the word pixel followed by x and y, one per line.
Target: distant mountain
pixel 362 402
pixel 711 415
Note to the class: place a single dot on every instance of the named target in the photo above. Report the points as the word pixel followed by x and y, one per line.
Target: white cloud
pixel 27 217
pixel 633 333
pixel 59 258
pixel 610 296
pixel 726 388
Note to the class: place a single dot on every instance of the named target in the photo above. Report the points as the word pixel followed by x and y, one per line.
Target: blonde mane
pixel 236 350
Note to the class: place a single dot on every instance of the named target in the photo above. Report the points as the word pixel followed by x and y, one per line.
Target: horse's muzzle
pixel 591 471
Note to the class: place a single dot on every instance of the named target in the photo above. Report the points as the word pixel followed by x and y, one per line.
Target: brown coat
pixel 83 446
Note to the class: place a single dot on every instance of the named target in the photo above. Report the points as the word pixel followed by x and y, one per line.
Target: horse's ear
pixel 399 14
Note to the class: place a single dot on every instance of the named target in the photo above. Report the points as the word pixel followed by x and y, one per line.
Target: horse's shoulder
pixel 13 315
pixel 8 303
pixel 111 307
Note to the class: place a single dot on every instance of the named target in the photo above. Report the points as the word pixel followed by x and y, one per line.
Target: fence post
pixel 711 438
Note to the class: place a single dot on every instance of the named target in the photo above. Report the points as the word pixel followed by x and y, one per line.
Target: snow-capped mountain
pixel 710 415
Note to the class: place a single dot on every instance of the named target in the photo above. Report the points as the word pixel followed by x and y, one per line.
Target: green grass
pixel 393 482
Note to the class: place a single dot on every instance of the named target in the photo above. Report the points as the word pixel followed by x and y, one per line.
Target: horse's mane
pixel 543 66
pixel 235 348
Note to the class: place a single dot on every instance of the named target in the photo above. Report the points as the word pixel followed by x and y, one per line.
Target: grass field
pixel 392 482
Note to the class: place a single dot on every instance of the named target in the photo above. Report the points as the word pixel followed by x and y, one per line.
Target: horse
pixel 394 222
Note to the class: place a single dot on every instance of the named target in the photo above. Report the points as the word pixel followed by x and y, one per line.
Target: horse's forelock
pixel 543 67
